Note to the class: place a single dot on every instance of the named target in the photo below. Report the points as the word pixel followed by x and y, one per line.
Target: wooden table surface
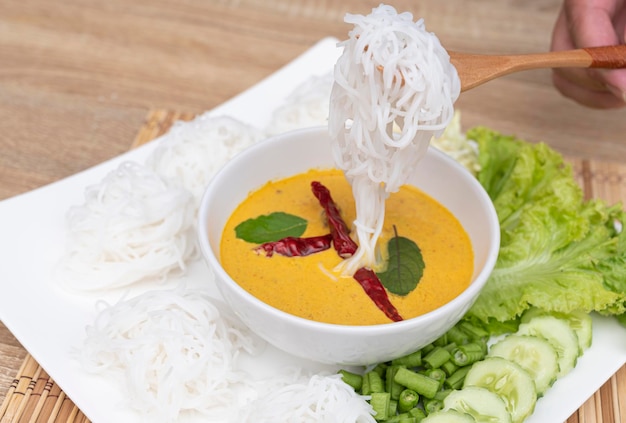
pixel 77 77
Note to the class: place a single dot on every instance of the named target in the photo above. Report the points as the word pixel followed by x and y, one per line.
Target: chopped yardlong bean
pixel 474 331
pixel 458 336
pixel 418 413
pixel 436 357
pixel 352 379
pixel 449 367
pixel 410 360
pixel 467 354
pixel 420 383
pixel 455 380
pixel 432 405
pixel 408 400
pixel 450 347
pixel 393 387
pixel 437 374
pixel 381 369
pixel 380 404
pixel 375 382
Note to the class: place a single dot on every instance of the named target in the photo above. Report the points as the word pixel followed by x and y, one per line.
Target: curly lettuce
pixel 558 252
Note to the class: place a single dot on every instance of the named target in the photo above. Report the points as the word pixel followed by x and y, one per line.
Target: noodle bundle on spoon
pixel 394 90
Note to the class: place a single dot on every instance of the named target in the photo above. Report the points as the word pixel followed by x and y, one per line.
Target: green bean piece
pixel 393 407
pixel 441 395
pixel 401 418
pixel 436 357
pixel 449 367
pixel 432 405
pixel 380 404
pixel 458 336
pixel 467 354
pixel 428 348
pixel 391 386
pixel 441 341
pixel 352 379
pixel 410 360
pixel 455 380
pixel 474 331
pixel 365 385
pixel 483 344
pixel 436 374
pixel 450 347
pixel 420 383
pixel 380 369
pixel 376 384
pixel 408 400
pixel 418 413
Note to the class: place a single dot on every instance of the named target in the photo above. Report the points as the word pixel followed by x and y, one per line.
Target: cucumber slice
pixel 533 354
pixel 507 379
pixel 578 320
pixel 559 334
pixel 449 416
pixel 480 403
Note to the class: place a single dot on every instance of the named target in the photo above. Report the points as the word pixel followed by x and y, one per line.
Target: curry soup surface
pixel 308 287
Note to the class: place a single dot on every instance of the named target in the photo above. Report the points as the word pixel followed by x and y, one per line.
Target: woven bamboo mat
pixel 34 397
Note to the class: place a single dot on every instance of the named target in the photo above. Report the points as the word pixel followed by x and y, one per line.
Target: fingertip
pixel 617 92
pixel 589 97
pixel 616 83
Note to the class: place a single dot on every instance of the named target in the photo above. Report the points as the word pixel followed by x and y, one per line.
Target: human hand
pixel 591 23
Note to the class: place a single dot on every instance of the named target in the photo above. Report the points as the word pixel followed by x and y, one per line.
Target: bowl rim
pixel 471 291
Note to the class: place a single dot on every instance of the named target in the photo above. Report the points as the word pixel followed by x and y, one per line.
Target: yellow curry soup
pixel 308 287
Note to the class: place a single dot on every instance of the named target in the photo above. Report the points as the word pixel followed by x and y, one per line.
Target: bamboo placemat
pixel 34 397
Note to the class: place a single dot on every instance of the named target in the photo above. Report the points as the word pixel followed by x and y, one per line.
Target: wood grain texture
pixel 106 64
pixel 478 69
pixel 78 77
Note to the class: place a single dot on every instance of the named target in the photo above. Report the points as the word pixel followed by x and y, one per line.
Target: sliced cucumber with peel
pixel 580 321
pixel 533 354
pixel 480 403
pixel 449 416
pixel 507 379
pixel 559 334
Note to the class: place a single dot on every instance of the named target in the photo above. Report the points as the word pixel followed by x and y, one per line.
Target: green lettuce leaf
pixel 558 252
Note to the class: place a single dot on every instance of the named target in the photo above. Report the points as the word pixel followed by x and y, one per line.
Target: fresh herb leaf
pixel 404 268
pixel 270 227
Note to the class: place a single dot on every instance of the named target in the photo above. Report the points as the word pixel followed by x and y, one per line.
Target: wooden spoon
pixel 476 69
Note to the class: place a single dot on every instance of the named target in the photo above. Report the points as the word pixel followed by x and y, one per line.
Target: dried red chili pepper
pixel 372 286
pixel 296 247
pixel 344 245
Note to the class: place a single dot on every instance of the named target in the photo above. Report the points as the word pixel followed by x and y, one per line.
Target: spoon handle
pixel 476 69
pixel 612 57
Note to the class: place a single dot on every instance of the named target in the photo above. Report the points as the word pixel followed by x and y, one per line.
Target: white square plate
pixel 50 323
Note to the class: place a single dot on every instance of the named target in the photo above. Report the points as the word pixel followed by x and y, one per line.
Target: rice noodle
pixel 191 152
pixel 176 351
pixel 318 399
pixel 392 72
pixel 306 106
pixel 133 226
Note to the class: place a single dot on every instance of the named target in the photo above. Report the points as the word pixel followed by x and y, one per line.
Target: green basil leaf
pixel 405 267
pixel 270 227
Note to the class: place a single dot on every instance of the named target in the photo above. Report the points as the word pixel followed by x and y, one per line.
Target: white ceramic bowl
pixel 295 152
